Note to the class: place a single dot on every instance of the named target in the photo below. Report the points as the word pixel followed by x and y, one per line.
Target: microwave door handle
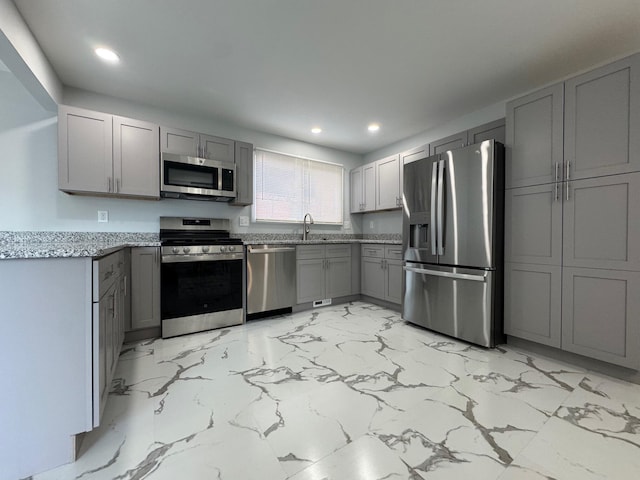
pixel 432 223
pixel 440 222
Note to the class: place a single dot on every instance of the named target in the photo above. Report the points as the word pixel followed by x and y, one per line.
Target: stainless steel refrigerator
pixel 453 217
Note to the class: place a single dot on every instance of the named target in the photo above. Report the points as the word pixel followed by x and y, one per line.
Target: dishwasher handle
pixel 271 249
pixel 455 276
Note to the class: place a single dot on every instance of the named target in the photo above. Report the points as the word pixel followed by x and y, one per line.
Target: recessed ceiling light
pixel 373 127
pixel 316 130
pixel 108 55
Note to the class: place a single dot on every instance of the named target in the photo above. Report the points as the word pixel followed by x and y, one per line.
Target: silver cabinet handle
pixel 568 169
pixel 441 208
pixel 555 195
pixel 568 194
pixel 456 276
pixel 557 171
pixel 434 188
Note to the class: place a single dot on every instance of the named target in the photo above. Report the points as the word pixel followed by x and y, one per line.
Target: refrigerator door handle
pixel 434 187
pixel 455 276
pixel 440 225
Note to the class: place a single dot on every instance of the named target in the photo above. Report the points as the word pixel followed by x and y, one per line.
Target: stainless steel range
pixel 202 276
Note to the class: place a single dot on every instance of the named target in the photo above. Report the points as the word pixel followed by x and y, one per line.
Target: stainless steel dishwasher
pixel 271 277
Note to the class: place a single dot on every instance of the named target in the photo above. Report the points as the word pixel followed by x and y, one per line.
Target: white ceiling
pixel 284 66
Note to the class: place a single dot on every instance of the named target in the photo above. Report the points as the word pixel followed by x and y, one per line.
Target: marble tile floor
pixel 353 392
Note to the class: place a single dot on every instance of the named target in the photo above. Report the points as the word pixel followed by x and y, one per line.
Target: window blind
pixel 287 187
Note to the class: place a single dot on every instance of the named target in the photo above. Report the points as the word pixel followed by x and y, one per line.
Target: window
pixel 288 187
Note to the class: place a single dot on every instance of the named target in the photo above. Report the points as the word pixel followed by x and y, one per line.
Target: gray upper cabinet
pixel 451 142
pixel 244 174
pixel 533 302
pixel 489 131
pixel 601 315
pixel 217 148
pixel 388 190
pixel 181 142
pixel 533 224
pixel 602 222
pixel 145 287
pixel 355 190
pixel 369 187
pixel 136 157
pixel 602 121
pixel 184 142
pixel 106 154
pixel 534 138
pixel 85 160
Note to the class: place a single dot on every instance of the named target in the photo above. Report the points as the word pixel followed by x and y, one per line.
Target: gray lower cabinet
pixel 601 315
pixel 602 121
pixel 145 287
pixel 244 174
pixel 382 274
pixel 534 136
pixel 533 302
pixel 105 154
pixel 108 325
pixel 323 271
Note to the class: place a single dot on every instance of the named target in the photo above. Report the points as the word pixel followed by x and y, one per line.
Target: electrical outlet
pixel 346 225
pixel 243 221
pixel 372 224
pixel 103 216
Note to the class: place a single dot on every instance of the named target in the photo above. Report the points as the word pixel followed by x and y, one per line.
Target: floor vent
pixel 322 303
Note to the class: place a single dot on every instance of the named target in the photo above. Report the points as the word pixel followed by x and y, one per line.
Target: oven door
pixel 201 292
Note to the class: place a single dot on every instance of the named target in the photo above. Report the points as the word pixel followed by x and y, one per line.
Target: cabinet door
pixel 217 148
pixel 244 174
pixel 602 120
pixel 532 302
pixel 534 138
pixel 602 222
pixel 372 278
pixel 310 280
pixel 338 277
pixel 84 151
pixel 393 281
pixel 181 142
pixel 136 157
pixel 369 187
pixel 533 224
pixel 388 183
pixel 451 142
pixel 601 315
pixel 489 131
pixel 408 157
pixel 100 392
pixel 145 287
pixel 355 190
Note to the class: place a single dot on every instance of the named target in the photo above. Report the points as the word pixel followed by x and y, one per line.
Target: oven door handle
pixel 201 258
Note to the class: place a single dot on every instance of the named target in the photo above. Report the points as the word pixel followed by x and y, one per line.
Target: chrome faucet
pixel 306 227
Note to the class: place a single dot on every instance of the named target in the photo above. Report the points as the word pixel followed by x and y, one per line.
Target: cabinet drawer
pixel 105 272
pixel 338 251
pixel 375 251
pixel 393 252
pixel 306 252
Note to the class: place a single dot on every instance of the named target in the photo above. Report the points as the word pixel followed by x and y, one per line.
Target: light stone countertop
pixel 23 245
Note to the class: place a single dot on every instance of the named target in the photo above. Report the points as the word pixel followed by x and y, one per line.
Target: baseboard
pixel 142 334
pixel 596 366
pixel 382 303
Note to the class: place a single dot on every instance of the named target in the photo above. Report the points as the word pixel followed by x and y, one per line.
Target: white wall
pixel 29 196
pixel 391 222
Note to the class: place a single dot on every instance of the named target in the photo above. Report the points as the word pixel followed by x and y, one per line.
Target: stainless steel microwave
pixel 196 178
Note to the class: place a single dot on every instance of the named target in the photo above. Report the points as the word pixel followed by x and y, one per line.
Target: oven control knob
pixel 231 248
pixel 175 250
pixel 205 249
pixel 223 249
pixel 186 249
